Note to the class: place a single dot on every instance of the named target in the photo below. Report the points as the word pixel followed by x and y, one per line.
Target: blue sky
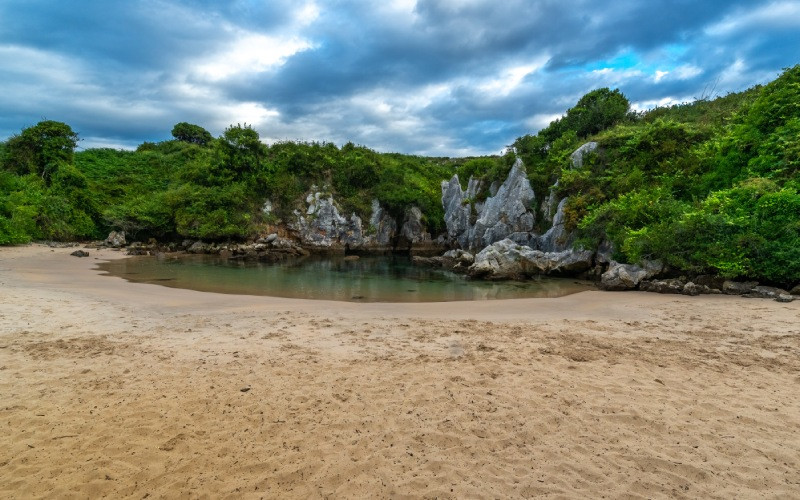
pixel 446 77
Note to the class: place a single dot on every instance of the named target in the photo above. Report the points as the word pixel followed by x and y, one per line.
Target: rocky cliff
pixel 323 228
pixel 501 229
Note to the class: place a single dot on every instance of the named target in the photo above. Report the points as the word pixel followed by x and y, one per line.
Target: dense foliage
pixel 708 186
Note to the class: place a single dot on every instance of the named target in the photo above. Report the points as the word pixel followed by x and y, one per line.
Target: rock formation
pixel 323 228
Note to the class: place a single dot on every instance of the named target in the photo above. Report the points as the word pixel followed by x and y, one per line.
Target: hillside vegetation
pixel 708 186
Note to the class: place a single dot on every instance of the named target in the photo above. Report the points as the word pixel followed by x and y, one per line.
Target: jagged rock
pixel 628 276
pixel 116 239
pixel 413 232
pixel 507 212
pixel 766 292
pixel 507 259
pixel 79 253
pixel 323 227
pixel 550 203
pixel 738 287
pixel 785 297
pixel 456 211
pixel 578 155
pixel 382 226
pixel 557 238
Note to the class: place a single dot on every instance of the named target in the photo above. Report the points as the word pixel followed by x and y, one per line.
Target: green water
pixel 369 279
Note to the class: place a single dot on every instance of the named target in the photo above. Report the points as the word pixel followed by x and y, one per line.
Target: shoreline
pixel 123 389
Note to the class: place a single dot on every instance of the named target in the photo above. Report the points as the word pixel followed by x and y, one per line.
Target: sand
pixel 109 388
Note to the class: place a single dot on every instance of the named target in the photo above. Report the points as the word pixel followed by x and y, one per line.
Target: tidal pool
pixel 368 279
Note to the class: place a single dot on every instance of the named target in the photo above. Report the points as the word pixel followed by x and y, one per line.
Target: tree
pixel 194 134
pixel 594 112
pixel 41 149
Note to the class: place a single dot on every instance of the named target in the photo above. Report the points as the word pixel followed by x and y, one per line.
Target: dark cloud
pixel 432 77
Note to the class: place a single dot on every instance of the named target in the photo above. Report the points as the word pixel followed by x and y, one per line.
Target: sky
pixel 428 77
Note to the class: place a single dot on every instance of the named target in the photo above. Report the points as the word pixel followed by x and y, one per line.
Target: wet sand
pixel 110 388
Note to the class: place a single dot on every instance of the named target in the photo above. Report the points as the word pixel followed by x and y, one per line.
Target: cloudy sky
pixel 434 77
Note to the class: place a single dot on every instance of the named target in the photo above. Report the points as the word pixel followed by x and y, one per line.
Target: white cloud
pixel 251 53
pixel 774 15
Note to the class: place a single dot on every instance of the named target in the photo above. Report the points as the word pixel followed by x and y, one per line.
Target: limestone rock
pixel 557 238
pixel 116 239
pixel 766 292
pixel 413 231
pixel 628 276
pixel 507 259
pixel 323 227
pixel 382 226
pixel 507 212
pixel 578 155
pixel 738 287
pixel 674 285
pixel 456 212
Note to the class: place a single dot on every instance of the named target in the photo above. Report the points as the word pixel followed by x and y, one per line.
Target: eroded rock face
pixel 507 212
pixel 323 227
pixel 382 227
pixel 413 231
pixel 557 238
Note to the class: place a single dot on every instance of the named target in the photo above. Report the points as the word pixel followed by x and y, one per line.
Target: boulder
pixel 766 292
pixel 79 253
pixel 628 276
pixel 507 259
pixel 710 281
pixel 577 156
pixel 674 285
pixel 738 287
pixel 785 297
pixel 116 239
pixel 692 288
pixel 198 247
pixel 795 290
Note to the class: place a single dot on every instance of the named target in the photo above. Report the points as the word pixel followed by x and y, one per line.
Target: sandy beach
pixel 110 388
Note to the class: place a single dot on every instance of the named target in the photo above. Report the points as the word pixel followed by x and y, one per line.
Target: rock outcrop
pixel 628 276
pixel 323 228
pixel 116 239
pixel 508 213
pixel 578 155
pixel 508 259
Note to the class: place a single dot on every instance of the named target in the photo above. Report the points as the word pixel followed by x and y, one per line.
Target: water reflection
pixel 368 279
